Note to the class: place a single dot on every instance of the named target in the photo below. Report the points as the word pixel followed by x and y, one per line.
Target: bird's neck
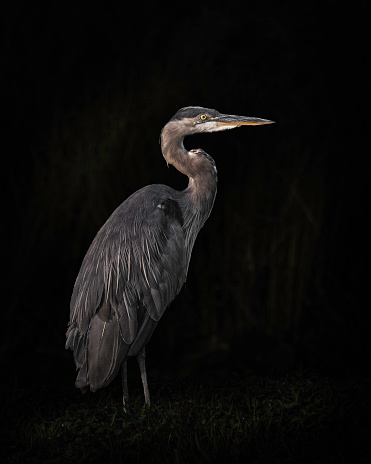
pixel 173 149
pixel 199 167
pixel 197 200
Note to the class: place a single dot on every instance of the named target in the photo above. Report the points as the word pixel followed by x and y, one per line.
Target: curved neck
pixel 173 149
pixel 197 200
pixel 196 164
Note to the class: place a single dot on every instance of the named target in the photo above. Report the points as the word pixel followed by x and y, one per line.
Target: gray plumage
pixel 139 259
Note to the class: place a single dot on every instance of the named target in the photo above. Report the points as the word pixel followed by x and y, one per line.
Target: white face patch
pixel 212 126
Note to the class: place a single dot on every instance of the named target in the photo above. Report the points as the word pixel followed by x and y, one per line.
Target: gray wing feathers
pixel 137 258
pixel 163 266
pixel 126 315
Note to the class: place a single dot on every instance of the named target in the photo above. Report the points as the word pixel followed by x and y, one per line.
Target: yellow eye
pixel 203 117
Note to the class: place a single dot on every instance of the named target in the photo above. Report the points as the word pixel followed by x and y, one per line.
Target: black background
pixel 86 91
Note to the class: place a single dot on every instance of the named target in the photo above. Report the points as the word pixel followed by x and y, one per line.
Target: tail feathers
pixel 76 341
pixel 98 354
pixel 105 354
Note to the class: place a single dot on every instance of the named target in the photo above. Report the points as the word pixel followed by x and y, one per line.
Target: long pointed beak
pixel 232 120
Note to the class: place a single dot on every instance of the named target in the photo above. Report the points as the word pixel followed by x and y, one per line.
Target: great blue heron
pixel 139 259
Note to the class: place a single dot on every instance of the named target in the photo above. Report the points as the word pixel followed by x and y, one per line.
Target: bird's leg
pixel 141 357
pixel 125 391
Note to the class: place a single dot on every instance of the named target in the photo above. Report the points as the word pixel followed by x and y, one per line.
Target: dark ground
pixel 272 320
pixel 299 417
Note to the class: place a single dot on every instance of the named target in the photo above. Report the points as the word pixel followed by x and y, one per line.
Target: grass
pixel 299 417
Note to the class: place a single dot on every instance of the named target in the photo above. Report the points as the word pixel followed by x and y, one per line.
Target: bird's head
pixel 196 119
pixel 193 120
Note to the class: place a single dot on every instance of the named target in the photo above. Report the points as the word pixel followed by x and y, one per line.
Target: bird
pixel 139 259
